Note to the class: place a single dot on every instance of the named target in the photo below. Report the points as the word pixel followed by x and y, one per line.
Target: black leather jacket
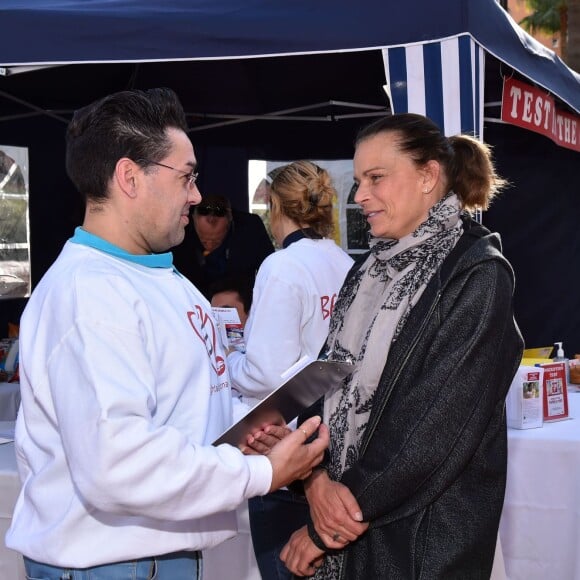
pixel 432 467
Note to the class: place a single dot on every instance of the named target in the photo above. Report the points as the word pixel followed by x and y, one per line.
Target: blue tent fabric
pixel 215 55
pixel 441 80
pixel 67 31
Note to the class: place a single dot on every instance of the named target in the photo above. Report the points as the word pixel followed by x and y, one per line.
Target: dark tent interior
pixel 257 108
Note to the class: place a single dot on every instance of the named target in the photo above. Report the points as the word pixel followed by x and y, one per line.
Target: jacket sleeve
pixel 438 413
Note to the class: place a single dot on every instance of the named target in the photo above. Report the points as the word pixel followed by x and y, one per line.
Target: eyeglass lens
pixel 191 177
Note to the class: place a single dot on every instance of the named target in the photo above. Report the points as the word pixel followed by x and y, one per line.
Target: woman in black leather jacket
pixel 414 482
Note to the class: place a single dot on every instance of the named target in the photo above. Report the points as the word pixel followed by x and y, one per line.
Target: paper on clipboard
pixel 298 393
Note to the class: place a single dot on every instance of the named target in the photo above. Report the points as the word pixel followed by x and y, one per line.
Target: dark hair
pixel 466 162
pixel 303 192
pixel 129 124
pixel 243 284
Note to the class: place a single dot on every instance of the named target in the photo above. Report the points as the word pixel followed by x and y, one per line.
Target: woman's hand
pixel 262 441
pixel 335 512
pixel 300 555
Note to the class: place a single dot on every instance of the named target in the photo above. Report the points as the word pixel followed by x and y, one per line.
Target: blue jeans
pixel 273 519
pixel 176 566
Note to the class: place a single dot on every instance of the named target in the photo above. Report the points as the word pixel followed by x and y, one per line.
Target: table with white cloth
pixel 11 564
pixel 9 401
pixel 540 523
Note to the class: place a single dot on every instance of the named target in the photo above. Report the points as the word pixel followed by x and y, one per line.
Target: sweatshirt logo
pixel 204 327
pixel 327 305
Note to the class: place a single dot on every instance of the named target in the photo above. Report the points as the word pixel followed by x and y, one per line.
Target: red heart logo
pixel 202 324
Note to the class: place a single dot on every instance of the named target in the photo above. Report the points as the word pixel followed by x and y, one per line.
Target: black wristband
pixel 316 539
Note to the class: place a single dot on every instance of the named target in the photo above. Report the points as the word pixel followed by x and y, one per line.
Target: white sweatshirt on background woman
pixel 294 294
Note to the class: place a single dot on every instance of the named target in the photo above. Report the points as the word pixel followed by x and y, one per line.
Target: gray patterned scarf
pixel 371 310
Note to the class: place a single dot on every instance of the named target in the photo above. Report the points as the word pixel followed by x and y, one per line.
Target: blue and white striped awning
pixel 442 80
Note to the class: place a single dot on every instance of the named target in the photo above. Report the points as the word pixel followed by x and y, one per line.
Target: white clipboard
pixel 298 393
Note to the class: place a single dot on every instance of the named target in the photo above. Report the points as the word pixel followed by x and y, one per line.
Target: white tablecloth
pixel 9 402
pixel 11 565
pixel 540 524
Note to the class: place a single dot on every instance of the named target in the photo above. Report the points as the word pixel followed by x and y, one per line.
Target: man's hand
pixel 300 555
pixel 335 512
pixel 292 459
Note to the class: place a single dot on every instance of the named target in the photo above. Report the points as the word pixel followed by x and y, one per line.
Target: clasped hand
pixel 337 519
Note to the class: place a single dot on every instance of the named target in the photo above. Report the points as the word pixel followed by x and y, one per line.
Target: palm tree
pixel 573 60
pixel 561 16
pixel 549 16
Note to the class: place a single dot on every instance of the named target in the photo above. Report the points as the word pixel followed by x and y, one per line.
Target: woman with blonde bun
pixel 294 294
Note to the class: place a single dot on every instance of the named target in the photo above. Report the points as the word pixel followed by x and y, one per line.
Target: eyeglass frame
pixel 191 175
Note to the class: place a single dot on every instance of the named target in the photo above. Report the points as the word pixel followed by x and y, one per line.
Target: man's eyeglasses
pixel 216 210
pixel 191 176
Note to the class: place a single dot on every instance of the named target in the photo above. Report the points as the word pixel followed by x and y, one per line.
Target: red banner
pixel 534 109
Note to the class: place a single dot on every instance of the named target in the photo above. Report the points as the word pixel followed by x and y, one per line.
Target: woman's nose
pixel 360 194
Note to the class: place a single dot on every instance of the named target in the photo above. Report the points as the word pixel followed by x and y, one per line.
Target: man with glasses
pixel 123 381
pixel 222 242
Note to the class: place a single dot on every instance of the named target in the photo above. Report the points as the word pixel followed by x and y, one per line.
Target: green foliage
pixel 545 16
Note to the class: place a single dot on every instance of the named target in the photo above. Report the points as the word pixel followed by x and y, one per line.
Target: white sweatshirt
pixel 294 293
pixel 124 387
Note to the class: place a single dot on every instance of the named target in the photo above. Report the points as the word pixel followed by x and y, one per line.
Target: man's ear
pixel 127 174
